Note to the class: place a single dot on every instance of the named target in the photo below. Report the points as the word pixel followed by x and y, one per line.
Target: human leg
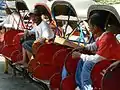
pixel 24 54
pixel 30 55
pixel 27 46
pixel 85 75
pixel 64 73
pixel 24 57
pixel 78 73
pixel 28 50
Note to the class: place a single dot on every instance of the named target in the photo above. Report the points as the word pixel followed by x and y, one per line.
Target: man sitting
pixel 42 32
pixel 105 47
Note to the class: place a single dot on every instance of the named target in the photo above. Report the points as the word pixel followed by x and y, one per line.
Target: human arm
pixel 88 49
pixel 105 44
pixel 94 58
pixel 47 33
pixel 86 57
pixel 40 40
pixel 91 47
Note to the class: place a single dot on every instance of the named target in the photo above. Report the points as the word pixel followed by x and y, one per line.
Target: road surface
pixel 10 82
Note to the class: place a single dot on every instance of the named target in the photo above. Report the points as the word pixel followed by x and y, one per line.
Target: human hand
pixel 41 40
pixel 80 48
pixel 26 34
pixel 76 54
pixel 36 41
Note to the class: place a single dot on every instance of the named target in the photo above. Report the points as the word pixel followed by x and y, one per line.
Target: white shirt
pixel 94 58
pixel 43 31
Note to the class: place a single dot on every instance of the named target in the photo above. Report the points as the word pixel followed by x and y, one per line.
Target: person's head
pixel 96 23
pixel 37 16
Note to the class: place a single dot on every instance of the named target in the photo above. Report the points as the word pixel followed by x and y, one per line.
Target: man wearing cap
pixel 42 32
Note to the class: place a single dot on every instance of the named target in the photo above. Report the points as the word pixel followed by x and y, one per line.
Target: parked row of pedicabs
pixel 48 62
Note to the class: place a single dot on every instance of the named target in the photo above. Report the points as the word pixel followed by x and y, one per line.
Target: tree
pixel 108 1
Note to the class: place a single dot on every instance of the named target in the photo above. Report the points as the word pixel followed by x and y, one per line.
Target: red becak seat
pixel 10 46
pixel 68 83
pixel 43 67
pixel 46 51
pixel 98 71
pixel 9 35
pixel 111 78
pixel 32 65
pixel 16 56
pixel 71 64
pixel 17 37
pixel 8 49
pixel 59 58
pixel 55 81
pixel 44 55
pixel 45 71
pixel 13 45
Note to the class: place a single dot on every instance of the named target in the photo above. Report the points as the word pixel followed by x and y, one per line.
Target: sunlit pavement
pixel 10 82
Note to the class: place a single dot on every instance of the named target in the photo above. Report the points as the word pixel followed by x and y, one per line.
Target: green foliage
pixel 10 0
pixel 108 1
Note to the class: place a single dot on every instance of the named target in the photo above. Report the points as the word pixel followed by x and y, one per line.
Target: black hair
pixel 37 12
pixel 96 20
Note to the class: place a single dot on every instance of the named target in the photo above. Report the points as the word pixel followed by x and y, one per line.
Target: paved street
pixel 10 82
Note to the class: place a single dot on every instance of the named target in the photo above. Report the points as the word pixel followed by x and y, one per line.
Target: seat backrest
pixel 59 57
pixel 17 37
pixel 9 35
pixel 71 64
pixel 98 71
pixel 46 51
